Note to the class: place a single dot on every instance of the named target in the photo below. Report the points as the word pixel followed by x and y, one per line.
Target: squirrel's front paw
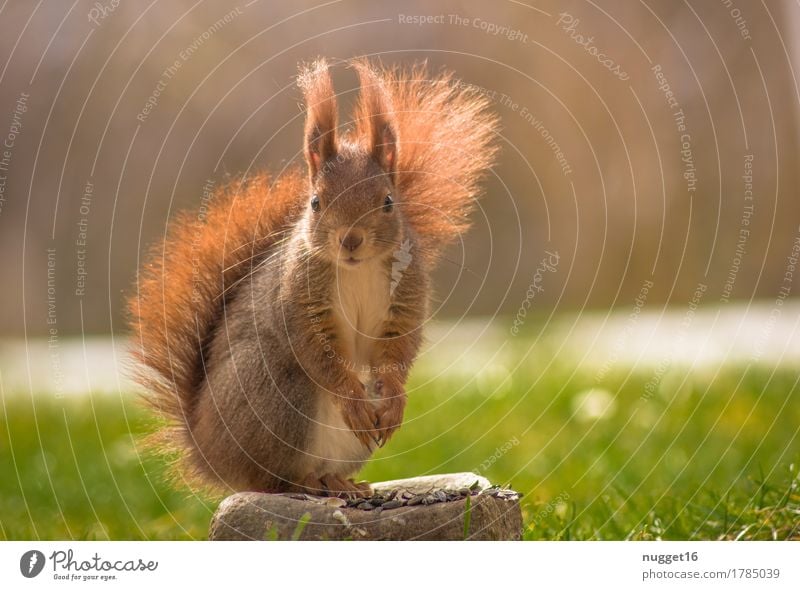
pixel 359 413
pixel 390 409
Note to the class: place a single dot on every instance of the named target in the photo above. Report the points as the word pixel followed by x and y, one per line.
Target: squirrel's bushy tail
pixel 448 142
pixel 181 290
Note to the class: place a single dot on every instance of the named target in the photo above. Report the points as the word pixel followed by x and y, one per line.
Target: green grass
pixel 710 455
pixel 73 469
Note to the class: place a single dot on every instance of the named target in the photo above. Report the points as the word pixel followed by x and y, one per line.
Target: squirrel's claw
pixel 358 413
pixel 390 417
pixel 367 437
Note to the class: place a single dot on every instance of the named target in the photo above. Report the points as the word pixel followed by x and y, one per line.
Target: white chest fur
pixel 361 304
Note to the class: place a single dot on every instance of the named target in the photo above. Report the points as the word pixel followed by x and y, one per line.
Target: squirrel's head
pixel 353 212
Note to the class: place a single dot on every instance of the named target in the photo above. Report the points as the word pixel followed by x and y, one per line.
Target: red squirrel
pixel 275 335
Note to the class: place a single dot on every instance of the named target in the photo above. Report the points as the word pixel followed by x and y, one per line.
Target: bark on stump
pixel 444 508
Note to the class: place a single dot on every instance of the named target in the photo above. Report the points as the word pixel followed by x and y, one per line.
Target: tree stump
pixel 432 508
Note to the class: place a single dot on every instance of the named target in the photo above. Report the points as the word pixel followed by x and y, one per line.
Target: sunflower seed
pixel 392 504
pixel 416 500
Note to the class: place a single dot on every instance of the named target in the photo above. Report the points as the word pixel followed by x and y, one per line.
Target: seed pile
pixel 400 497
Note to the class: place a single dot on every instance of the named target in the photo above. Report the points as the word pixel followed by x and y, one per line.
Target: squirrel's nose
pixel 351 240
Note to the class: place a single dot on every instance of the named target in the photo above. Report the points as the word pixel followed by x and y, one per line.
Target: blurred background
pixel 644 214
pixel 615 206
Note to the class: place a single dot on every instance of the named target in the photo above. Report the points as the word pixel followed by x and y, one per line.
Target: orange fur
pixel 183 287
pixel 445 142
pixel 447 138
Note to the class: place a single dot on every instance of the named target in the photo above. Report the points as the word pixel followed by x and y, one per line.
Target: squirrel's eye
pixel 387 203
pixel 315 203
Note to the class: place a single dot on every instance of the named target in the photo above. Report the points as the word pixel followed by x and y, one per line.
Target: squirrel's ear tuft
pixel 321 116
pixel 384 148
pixel 374 118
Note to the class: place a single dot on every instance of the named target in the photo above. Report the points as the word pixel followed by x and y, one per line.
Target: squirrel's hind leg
pixel 362 489
pixel 335 486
